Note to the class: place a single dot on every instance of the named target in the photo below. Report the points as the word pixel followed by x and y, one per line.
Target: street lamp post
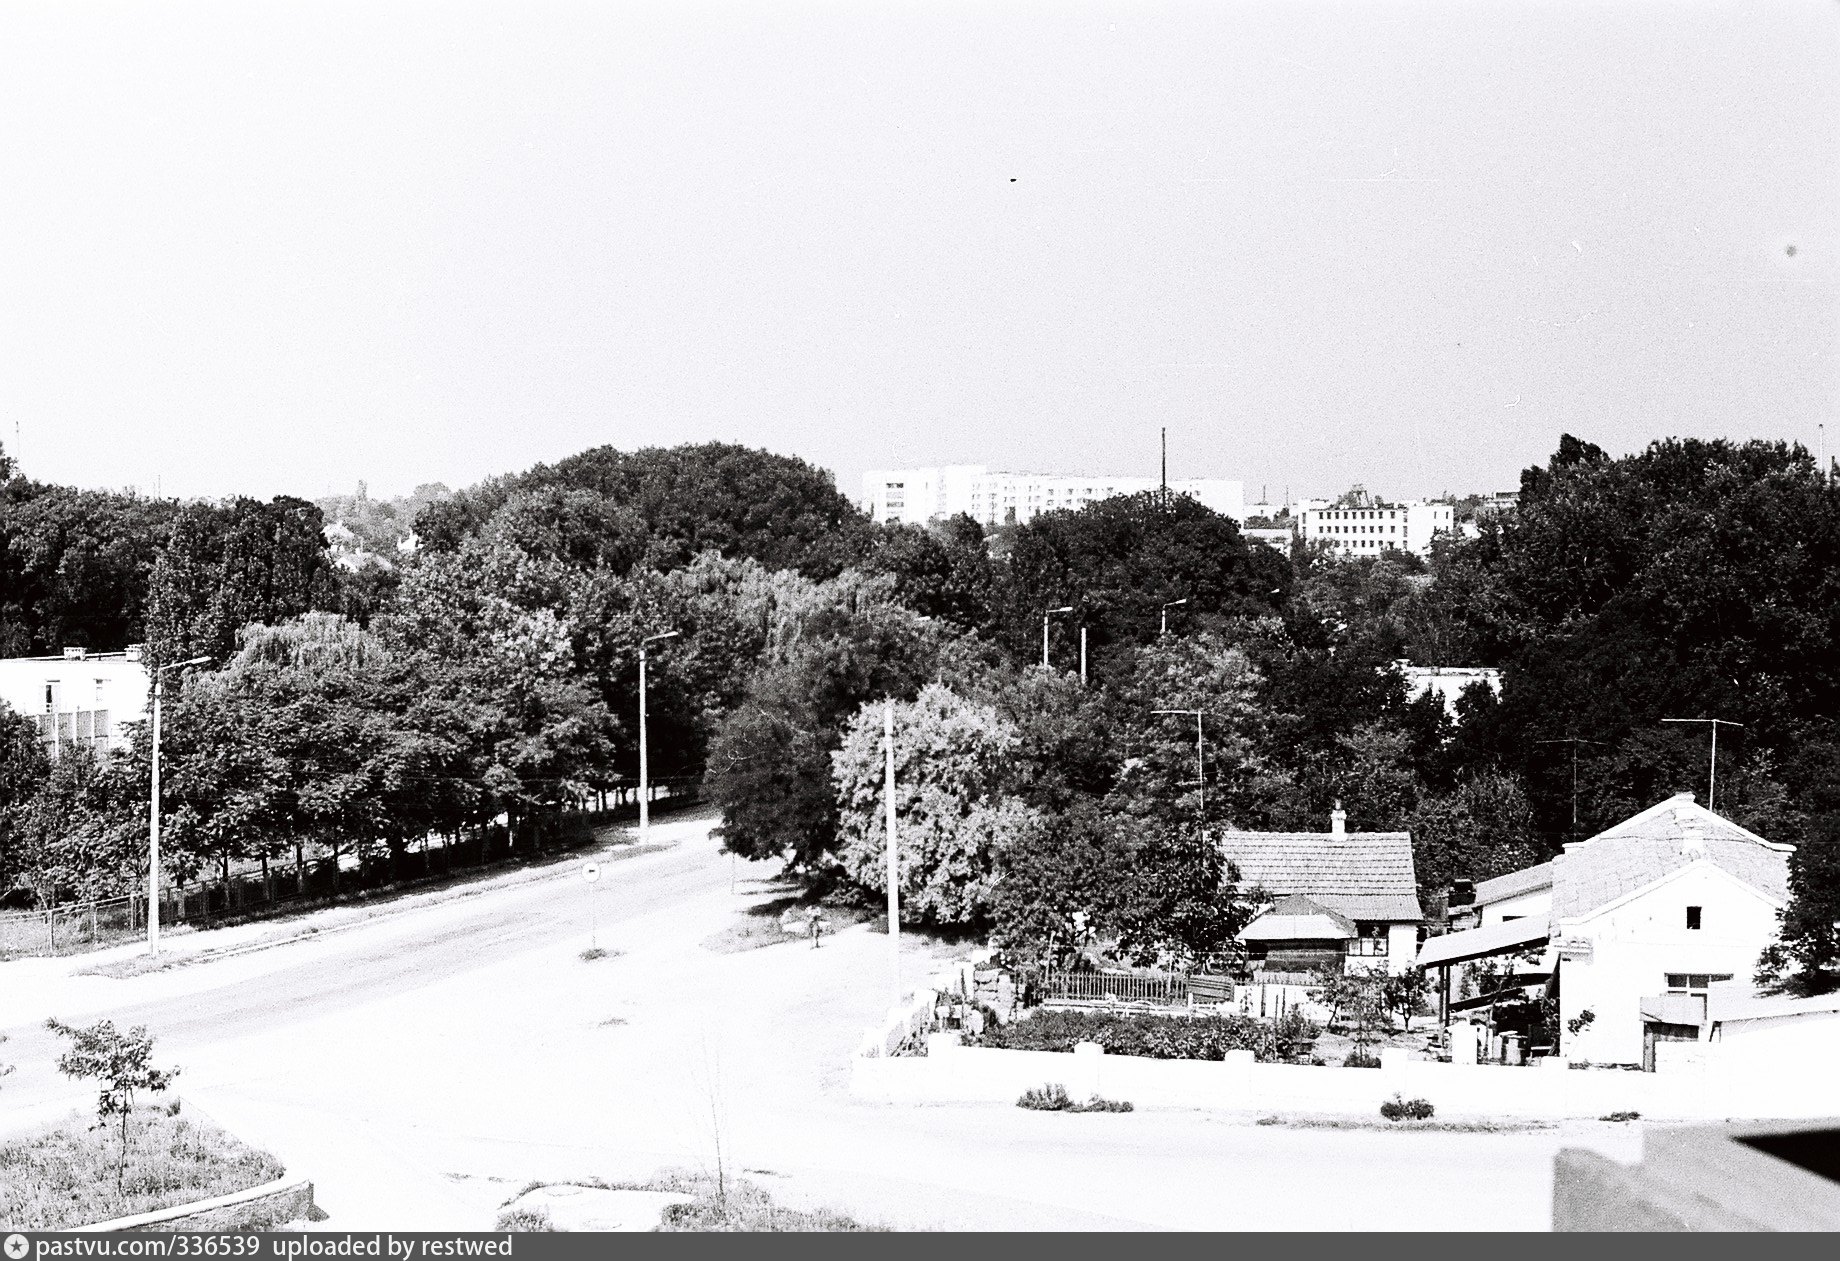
pixel 1200 755
pixel 1066 608
pixel 645 783
pixel 1172 604
pixel 153 808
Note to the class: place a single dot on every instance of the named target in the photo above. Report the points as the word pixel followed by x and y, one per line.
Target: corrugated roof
pixel 1663 838
pixel 1297 918
pixel 1478 943
pixel 1361 875
pixel 1514 884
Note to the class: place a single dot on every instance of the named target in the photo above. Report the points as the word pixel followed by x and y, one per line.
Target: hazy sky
pixel 268 247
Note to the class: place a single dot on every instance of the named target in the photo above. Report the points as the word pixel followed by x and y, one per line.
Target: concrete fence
pixel 950 1073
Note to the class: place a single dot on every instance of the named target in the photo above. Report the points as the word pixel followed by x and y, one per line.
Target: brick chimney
pixel 1338 820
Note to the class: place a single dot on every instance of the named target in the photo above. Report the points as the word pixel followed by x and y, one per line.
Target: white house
pixel 1644 919
pixel 1335 893
pixel 79 697
pixel 1449 682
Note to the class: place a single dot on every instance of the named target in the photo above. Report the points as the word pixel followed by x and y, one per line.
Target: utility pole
pixel 894 865
pixel 645 782
pixel 153 806
pixel 1712 778
pixel 1082 656
pixel 1574 741
pixel 1172 604
pixel 1066 608
pixel 1200 755
pixel 1165 492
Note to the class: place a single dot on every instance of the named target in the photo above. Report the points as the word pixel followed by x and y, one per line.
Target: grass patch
pixel 64 1176
pixel 759 926
pixel 1455 1125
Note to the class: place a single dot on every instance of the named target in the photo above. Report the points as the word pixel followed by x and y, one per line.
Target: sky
pixel 266 247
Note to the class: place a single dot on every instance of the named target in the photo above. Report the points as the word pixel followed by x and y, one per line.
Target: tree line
pixel 493 676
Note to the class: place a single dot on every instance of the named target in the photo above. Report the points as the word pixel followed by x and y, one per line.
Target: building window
pixel 1693 917
pixel 1694 982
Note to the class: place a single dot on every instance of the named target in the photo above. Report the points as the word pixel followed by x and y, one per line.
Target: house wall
pixel 1534 905
pixel 1401 947
pixel 1781 1044
pixel 1636 944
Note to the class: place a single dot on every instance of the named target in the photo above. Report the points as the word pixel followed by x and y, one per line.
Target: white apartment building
pixel 919 495
pixel 1407 527
pixel 80 697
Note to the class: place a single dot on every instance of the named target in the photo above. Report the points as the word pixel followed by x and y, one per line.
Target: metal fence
pixel 251 894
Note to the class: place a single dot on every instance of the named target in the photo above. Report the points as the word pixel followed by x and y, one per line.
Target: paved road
pixel 422 1067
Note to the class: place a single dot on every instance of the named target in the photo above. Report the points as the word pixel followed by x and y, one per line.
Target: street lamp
pixel 1172 604
pixel 153 808
pixel 1066 608
pixel 645 814
pixel 1200 754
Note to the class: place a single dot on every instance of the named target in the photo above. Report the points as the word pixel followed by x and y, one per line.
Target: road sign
pixel 591 872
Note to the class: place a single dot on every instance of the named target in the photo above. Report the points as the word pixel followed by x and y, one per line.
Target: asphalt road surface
pixel 424 1064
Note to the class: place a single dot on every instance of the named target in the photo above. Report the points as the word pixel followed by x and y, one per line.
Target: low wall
pixel 914 1016
pixel 957 1074
pixel 258 1208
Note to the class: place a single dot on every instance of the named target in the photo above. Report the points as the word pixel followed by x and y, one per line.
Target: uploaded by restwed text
pixel 282 1247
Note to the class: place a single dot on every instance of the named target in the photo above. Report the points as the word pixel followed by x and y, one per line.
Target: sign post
pixel 591 873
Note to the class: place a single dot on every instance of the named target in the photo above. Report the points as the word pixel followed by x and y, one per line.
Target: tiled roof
pixel 1361 875
pixel 1661 839
pixel 1297 918
pixel 1514 884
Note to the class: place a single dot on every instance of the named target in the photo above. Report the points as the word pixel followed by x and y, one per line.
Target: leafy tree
pixel 690 499
pixel 952 813
pixel 23 767
pixel 121 1062
pixel 943 571
pixel 1117 561
pixel 1481 830
pixel 844 643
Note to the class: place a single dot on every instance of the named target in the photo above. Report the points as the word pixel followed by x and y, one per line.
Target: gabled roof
pixel 1662 839
pixel 1297 918
pixel 1513 885
pixel 1360 875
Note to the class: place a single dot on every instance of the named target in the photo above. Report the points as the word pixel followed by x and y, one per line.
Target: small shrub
pixel 1050 1098
pixel 1397 1109
pixel 1622 1116
pixel 1156 1037
pixel 172 1106
pixel 525 1219
pixel 1582 1021
pixel 592 953
pixel 1361 1057
pixel 1053 1097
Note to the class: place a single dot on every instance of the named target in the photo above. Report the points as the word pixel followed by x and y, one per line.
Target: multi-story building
pixel 919 495
pixel 1405 527
pixel 78 698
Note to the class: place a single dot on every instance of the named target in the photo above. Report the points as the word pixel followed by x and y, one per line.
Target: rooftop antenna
pixel 1712 776
pixel 1165 465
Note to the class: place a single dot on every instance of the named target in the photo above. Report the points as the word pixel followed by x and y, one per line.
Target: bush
pixel 1361 1057
pixel 1050 1098
pixel 1622 1116
pixel 1053 1097
pixel 1397 1109
pixel 1156 1037
pixel 523 1220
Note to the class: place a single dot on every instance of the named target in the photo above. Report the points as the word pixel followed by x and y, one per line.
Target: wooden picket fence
pixel 1059 986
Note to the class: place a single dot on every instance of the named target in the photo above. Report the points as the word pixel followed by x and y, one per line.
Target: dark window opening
pixel 1692 917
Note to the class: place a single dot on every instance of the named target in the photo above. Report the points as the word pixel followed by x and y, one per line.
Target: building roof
pixel 1513 885
pixel 1297 918
pixel 1660 840
pixel 1359 875
pixel 1477 943
pixel 1738 1000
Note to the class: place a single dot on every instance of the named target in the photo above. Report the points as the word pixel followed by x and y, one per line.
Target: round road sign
pixel 590 872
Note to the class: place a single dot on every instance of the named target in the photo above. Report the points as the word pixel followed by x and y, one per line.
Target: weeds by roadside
pixel 1455 1125
pixel 731 1204
pixel 1053 1097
